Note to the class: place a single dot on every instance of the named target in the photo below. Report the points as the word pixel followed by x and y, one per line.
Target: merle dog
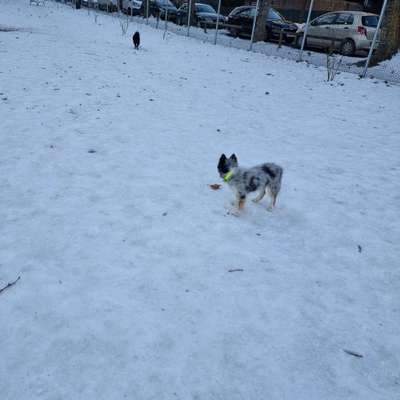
pixel 136 40
pixel 246 180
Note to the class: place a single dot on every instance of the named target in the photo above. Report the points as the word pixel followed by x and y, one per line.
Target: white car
pixel 346 31
pixel 131 7
pixel 90 3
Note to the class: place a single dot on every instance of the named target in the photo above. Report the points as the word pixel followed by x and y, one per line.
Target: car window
pixel 237 11
pixel 344 19
pixel 326 19
pixel 204 8
pixel 249 12
pixel 183 8
pixel 370 20
pixel 246 13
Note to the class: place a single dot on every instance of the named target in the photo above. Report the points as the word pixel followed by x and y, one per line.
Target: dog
pixel 247 180
pixel 136 40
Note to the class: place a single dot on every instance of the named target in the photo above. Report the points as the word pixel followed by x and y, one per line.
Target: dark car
pixel 159 8
pixel 204 14
pixel 240 23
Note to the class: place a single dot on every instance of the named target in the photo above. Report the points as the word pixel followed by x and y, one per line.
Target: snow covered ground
pixel 124 252
pixel 388 70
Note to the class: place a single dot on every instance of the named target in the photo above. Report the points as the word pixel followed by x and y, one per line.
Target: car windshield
pixel 204 8
pixel 273 15
pixel 370 20
pixel 164 3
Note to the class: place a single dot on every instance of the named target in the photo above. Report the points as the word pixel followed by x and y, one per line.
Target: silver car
pixel 131 7
pixel 345 31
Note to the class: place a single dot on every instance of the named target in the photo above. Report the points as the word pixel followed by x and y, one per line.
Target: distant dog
pixel 136 40
pixel 246 180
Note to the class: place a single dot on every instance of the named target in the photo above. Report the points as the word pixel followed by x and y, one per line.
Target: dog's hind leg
pixel 260 195
pixel 274 194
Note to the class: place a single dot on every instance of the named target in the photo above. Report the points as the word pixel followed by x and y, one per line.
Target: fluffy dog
pixel 136 40
pixel 246 180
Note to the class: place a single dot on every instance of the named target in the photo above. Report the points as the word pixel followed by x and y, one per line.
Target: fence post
pixel 189 16
pixel 166 22
pixel 374 39
pixel 306 30
pixel 217 24
pixel 254 26
pixel 280 38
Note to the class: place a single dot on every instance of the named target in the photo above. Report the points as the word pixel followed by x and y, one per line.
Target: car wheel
pixel 347 48
pixel 233 32
pixel 288 40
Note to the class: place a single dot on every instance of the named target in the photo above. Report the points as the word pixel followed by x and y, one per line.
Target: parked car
pixel 345 31
pixel 131 7
pixel 108 5
pixel 240 23
pixel 159 8
pixel 203 14
pixel 90 3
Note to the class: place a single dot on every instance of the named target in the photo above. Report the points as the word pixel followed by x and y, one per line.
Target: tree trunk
pixel 389 40
pixel 304 11
pixel 260 32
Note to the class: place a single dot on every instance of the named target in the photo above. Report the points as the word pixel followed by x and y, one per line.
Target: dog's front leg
pixel 241 200
pixel 239 203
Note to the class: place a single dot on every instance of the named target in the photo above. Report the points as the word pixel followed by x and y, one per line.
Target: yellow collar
pixel 228 176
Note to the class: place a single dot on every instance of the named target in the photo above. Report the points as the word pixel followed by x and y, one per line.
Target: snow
pixel 124 252
pixel 390 67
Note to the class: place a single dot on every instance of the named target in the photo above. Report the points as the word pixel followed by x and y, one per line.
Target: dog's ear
pixel 222 164
pixel 233 159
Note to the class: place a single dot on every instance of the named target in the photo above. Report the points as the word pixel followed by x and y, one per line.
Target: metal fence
pixel 342 41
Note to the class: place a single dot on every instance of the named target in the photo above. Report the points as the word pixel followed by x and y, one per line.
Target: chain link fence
pixel 340 41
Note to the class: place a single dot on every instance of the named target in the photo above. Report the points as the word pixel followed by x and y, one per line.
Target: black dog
pixel 136 40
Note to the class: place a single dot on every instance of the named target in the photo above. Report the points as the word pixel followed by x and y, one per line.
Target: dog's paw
pixel 234 211
pixel 255 200
pixel 270 208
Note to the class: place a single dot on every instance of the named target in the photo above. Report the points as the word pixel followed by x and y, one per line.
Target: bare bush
pixel 333 63
pixel 124 21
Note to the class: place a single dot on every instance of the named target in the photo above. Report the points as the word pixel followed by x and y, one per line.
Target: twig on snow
pixel 353 353
pixel 10 284
pixel 236 270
